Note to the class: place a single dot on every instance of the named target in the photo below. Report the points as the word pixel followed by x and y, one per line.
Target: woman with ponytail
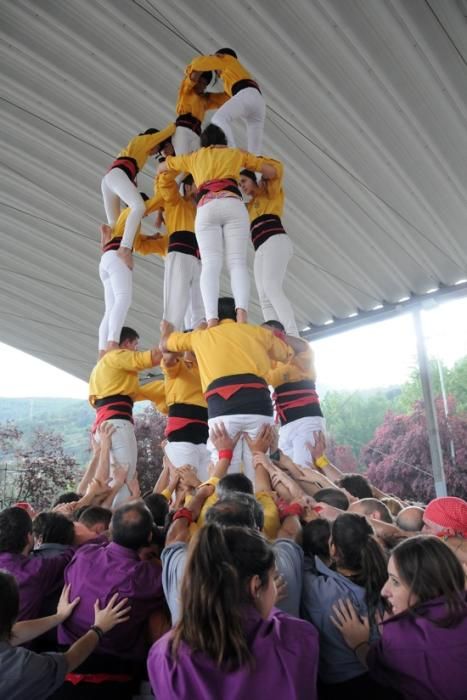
pixel 230 642
pixel 358 573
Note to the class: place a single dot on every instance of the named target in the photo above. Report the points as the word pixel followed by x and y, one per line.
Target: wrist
pixel 321 462
pixel 359 645
pixel 183 513
pixel 225 454
pixel 98 631
pixel 285 509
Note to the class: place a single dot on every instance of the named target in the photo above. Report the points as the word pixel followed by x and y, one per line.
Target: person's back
pixel 229 642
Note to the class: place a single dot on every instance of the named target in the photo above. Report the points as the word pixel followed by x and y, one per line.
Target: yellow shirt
pixel 144 245
pixel 231 348
pixel 190 102
pixel 179 213
pixel 182 384
pixel 299 367
pixel 271 514
pixel 214 163
pixel 230 69
pixel 140 147
pixel 155 392
pixel 270 196
pixel 117 373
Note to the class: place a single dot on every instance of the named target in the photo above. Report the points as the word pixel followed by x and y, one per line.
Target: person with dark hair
pixel 117 277
pixel 273 247
pixel 372 508
pixel 113 388
pixel 296 400
pixel 246 101
pixel 356 485
pixel 192 104
pixel 221 216
pixel 96 518
pixel 24 674
pixel 358 573
pixel 66 497
pixel 119 183
pixel 315 540
pixel 233 358
pixel 158 507
pixel 99 570
pixel 228 641
pixel 423 647
pixel 234 482
pixel 182 269
pixel 333 497
pixel 410 519
pixel 53 534
pixel 37 577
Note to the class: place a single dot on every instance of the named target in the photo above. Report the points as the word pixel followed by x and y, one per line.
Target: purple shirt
pixel 96 572
pixel 285 650
pixel 421 660
pixel 37 578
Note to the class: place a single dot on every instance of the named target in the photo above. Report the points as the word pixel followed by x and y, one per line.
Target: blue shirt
pixel 322 588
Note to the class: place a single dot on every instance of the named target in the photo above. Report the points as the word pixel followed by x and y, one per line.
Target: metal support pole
pixel 429 404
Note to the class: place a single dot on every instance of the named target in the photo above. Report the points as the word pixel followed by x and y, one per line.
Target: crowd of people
pixel 254 566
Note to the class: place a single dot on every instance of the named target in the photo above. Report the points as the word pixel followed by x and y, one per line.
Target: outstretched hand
pixel 354 629
pixel 113 614
pixel 65 607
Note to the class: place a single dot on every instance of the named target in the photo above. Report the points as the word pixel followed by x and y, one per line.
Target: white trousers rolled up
pixel 182 290
pixel 294 435
pixel 223 223
pixel 249 105
pixel 117 280
pixel 116 186
pixel 197 456
pixel 123 451
pixel 242 459
pixel 270 267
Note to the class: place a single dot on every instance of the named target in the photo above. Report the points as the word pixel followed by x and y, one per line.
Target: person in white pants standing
pixel 273 247
pixel 246 101
pixel 119 183
pixel 221 217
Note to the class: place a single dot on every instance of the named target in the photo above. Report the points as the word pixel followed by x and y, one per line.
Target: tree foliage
pixel 149 430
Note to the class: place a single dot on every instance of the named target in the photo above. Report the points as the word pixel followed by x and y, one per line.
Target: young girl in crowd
pixel 229 642
pixel 273 247
pixel 358 573
pixel 221 217
pixel 422 652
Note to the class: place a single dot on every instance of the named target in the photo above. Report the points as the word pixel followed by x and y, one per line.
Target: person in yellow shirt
pixel 246 101
pixel 117 278
pixel 113 388
pixel 192 104
pixel 273 247
pixel 221 216
pixel 296 400
pixel 233 358
pixel 119 183
pixel 187 422
pixel 182 264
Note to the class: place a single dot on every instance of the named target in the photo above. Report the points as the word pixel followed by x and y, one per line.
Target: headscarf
pixel 449 513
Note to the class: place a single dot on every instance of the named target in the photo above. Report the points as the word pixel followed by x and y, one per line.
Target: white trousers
pixel 251 424
pixel 270 267
pixel 116 186
pixel 184 140
pixel 181 453
pixel 182 286
pixel 249 105
pixel 294 435
pixel 117 280
pixel 223 222
pixel 124 451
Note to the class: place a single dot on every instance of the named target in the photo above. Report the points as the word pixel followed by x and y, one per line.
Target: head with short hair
pixel 248 182
pixel 96 518
pixel 356 485
pixel 158 507
pixel 237 509
pixel 234 483
pixel 213 136
pixel 226 309
pixel 410 519
pixel 392 504
pixel 429 570
pixel 131 526
pixel 372 508
pixel 315 539
pixel 237 563
pixel 226 52
pixel 52 528
pixel 128 338
pixel 333 497
pixel 203 82
pixel 15 530
pixel 9 604
pixel 66 497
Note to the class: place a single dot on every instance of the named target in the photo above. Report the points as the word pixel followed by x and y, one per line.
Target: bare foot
pixel 213 322
pixel 112 345
pixel 242 316
pixel 126 256
pixel 101 354
pixel 202 325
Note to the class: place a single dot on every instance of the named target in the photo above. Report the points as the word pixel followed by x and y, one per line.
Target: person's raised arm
pixel 91 468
